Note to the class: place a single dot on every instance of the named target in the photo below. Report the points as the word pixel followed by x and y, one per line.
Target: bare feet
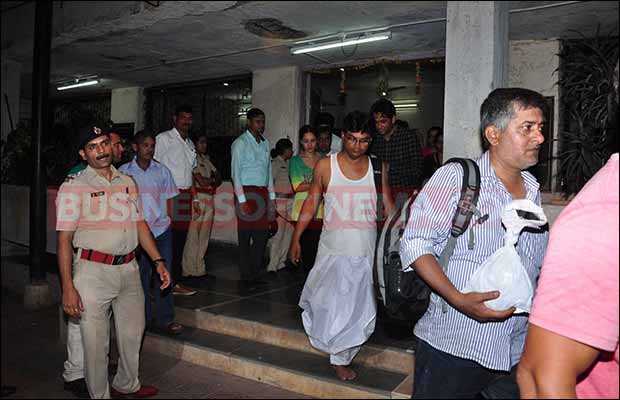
pixel 344 373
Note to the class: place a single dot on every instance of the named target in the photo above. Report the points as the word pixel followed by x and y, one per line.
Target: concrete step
pixel 294 370
pixel 285 331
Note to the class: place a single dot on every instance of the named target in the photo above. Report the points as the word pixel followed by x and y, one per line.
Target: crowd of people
pixel 328 202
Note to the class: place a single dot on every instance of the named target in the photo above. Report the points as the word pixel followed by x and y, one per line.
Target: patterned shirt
pixel 403 153
pixel 494 345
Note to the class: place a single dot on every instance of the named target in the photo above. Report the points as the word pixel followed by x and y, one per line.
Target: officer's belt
pixel 104 258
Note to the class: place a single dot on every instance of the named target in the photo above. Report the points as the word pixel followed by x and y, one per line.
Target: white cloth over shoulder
pixel 504 271
pixel 339 303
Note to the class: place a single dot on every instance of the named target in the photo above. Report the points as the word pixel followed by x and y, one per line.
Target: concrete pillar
pixel 11 72
pixel 476 63
pixel 279 92
pixel 127 106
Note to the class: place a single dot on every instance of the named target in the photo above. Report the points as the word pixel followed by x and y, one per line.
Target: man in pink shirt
pixel 572 344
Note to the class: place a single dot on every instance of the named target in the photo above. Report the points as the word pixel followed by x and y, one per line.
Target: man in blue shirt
pixel 156 187
pixel 253 185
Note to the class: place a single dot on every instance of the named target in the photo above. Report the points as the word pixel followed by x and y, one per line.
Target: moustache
pixel 101 157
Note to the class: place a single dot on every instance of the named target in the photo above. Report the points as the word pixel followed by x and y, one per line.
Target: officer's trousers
pixel 101 287
pixel 198 237
pixel 281 241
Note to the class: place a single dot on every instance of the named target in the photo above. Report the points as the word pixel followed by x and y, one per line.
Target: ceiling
pixel 133 43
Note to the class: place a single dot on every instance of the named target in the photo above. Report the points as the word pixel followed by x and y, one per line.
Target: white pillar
pixel 476 63
pixel 279 93
pixel 127 107
pixel 11 72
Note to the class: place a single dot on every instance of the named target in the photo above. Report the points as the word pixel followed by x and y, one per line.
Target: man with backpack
pixel 338 299
pixel 464 348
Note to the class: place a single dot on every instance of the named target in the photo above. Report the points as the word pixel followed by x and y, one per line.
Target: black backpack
pixel 395 287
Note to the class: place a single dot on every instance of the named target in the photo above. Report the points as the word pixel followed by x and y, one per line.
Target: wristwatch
pixel 159 260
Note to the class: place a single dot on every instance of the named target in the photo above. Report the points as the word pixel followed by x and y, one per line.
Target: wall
pixel 279 93
pixel 534 65
pixel 11 88
pixel 127 107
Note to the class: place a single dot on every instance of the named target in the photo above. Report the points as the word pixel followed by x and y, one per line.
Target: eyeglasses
pixel 353 140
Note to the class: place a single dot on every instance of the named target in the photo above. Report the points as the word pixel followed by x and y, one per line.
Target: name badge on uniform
pixel 97 194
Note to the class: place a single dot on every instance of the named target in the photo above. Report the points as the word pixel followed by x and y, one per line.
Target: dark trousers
pixel 439 375
pixel 181 217
pixel 253 231
pixel 309 243
pixel 164 301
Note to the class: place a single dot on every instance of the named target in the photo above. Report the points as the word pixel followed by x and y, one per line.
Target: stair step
pixel 274 333
pixel 293 370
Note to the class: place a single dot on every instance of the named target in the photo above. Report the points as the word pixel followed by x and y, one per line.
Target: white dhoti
pixel 339 305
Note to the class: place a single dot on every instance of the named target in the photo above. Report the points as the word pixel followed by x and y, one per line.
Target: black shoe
pixel 248 285
pixel 78 388
pixel 259 281
pixel 8 390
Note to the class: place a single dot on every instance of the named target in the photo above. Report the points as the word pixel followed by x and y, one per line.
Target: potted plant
pixel 590 104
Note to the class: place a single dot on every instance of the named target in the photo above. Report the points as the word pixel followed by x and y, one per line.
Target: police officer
pixel 98 214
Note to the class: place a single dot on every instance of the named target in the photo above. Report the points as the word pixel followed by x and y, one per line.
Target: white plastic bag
pixel 504 271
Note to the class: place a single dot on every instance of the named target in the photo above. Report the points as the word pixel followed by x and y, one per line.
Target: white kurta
pixel 338 297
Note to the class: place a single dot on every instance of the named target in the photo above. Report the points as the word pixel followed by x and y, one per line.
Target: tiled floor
pixel 32 360
pixel 32 355
pixel 274 303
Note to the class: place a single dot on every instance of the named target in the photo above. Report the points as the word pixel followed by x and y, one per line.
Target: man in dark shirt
pixel 398 147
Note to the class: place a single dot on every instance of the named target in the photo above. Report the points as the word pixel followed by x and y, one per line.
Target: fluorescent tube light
pixel 79 84
pixel 341 43
pixel 406 105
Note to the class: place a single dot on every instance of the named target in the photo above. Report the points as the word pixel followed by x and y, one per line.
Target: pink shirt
pixel 577 295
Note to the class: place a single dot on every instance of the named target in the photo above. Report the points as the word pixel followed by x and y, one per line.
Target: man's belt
pixel 104 258
pixel 285 195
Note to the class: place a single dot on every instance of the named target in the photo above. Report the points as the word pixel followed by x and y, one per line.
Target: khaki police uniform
pixel 103 214
pixel 280 242
pixel 200 226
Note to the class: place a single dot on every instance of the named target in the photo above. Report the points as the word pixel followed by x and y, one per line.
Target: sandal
pixel 173 328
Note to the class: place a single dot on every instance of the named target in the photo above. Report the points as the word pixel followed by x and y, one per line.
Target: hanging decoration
pixel 418 78
pixel 342 96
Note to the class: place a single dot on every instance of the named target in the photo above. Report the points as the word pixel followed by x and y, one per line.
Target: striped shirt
pixel 494 345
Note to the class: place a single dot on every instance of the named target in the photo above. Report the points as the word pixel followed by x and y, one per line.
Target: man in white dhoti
pixel 338 297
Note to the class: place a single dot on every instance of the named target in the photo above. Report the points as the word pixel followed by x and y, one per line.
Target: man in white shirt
pixel 175 150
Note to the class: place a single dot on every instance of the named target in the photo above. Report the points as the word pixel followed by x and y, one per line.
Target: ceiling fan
pixel 383 87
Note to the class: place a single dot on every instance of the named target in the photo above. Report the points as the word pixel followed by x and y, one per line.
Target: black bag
pixel 396 287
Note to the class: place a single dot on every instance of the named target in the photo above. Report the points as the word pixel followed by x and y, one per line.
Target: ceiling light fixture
pixel 342 42
pixel 406 105
pixel 225 83
pixel 79 84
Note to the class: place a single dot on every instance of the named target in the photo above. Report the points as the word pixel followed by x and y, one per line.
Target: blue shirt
pixel 494 345
pixel 155 185
pixel 251 165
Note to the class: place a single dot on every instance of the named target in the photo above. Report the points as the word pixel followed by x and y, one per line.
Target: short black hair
pixel 183 108
pixel 198 134
pixel 255 112
pixel 356 121
pixel 500 106
pixel 141 135
pixel 384 107
pixel 324 119
pixel 281 146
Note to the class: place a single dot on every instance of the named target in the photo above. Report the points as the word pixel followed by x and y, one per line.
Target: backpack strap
pixel 466 208
pixel 377 171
